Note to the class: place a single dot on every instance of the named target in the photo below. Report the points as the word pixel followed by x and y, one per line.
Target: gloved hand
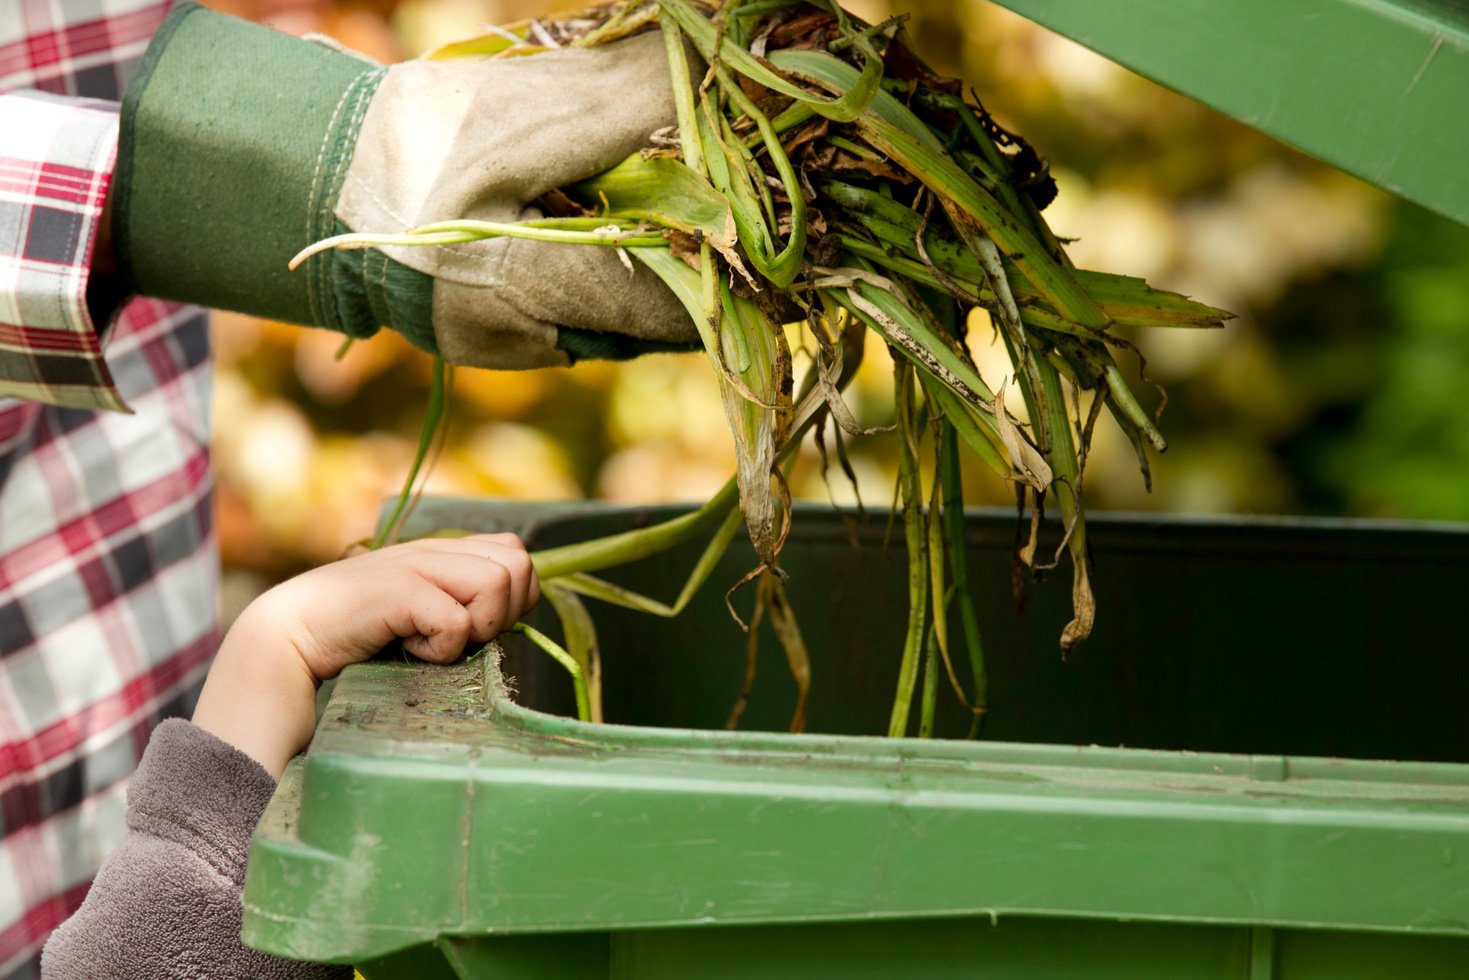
pixel 240 146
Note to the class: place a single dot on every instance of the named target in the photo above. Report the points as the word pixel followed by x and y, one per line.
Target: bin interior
pixel 1291 637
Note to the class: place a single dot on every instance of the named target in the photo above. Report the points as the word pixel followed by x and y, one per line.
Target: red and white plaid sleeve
pixel 55 164
pixel 108 563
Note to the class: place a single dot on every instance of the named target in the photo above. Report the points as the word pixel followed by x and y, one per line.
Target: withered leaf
pixel 843 161
pixel 683 246
pixel 1027 460
pixel 805 133
pixel 815 30
pixel 557 204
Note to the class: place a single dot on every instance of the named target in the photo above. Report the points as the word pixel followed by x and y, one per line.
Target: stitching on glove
pixel 345 148
pixel 502 256
pixel 513 294
pixel 314 282
pixel 326 185
pixel 391 212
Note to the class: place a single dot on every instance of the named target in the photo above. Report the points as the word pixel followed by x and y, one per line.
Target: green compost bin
pixel 1257 767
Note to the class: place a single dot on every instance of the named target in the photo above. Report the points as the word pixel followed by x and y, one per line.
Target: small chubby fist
pixel 437 595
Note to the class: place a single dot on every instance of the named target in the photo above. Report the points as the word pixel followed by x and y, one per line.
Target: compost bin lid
pixel 1375 87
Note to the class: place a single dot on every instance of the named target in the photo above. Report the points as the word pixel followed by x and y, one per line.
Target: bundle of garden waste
pixel 823 182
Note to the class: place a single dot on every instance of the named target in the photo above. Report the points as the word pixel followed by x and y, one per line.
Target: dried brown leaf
pixel 843 162
pixel 1027 460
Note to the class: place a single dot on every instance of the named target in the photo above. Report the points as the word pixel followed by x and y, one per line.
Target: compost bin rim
pixel 497 719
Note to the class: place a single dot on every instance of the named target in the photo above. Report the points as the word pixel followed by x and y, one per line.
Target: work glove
pixel 240 146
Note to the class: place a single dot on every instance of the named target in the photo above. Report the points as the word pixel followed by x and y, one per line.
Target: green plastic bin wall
pixel 1203 789
pixel 1376 87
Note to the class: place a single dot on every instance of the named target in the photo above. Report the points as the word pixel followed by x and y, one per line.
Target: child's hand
pixel 438 595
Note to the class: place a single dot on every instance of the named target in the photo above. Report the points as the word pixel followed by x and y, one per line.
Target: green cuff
pixel 234 142
pixel 360 289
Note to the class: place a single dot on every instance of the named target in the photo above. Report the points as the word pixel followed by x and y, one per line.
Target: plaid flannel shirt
pixel 108 563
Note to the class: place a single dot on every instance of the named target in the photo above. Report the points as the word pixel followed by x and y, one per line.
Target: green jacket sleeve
pixel 234 142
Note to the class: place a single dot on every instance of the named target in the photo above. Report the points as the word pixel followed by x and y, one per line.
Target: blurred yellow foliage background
pixel 1282 411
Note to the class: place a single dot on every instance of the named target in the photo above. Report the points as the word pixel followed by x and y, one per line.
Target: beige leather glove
pixel 445 140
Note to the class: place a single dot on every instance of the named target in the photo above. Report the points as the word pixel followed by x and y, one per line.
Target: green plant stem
pixel 683 94
pixel 758 7
pixel 629 546
pixel 780 268
pixel 951 478
pixel 939 545
pixel 1068 493
pixel 929 696
pixel 578 678
pixel 581 639
pixel 844 108
pixel 596 588
pixel 433 414
pixel 910 482
pixel 621 24
pixel 454 232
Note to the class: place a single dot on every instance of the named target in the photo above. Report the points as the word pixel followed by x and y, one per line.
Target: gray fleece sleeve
pixel 167 901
